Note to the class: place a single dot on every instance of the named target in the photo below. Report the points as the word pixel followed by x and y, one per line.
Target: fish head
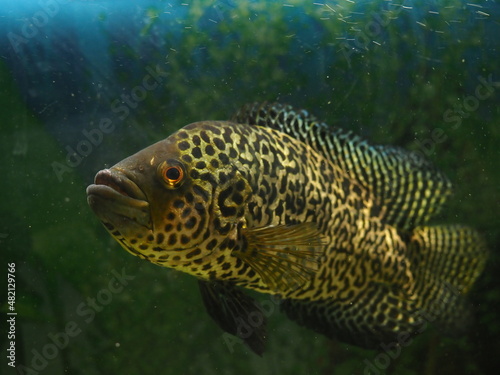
pixel 178 201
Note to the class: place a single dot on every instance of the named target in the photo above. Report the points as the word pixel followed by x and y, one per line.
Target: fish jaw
pixel 118 202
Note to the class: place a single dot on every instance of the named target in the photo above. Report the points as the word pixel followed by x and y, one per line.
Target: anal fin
pixel 369 319
pixel 445 261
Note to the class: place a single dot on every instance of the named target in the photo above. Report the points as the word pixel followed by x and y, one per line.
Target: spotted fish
pixel 278 202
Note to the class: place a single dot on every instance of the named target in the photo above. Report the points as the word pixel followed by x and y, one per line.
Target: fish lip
pixel 114 194
pixel 119 180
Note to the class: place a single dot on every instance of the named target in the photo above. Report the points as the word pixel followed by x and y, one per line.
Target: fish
pixel 275 201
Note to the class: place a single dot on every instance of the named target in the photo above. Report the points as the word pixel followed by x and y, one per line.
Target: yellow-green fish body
pixel 276 202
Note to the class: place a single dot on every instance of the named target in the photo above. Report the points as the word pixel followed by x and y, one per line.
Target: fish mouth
pixel 117 200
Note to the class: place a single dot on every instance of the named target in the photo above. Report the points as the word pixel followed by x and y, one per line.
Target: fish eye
pixel 171 173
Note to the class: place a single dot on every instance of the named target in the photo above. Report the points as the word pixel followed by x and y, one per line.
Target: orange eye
pixel 172 174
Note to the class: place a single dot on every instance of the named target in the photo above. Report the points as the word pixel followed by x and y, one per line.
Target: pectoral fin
pixel 285 256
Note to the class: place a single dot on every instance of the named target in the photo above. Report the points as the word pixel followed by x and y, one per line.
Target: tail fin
pixel 446 260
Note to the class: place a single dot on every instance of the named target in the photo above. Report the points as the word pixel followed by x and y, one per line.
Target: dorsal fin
pixel 406 188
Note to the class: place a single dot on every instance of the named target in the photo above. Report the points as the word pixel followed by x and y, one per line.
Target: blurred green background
pixel 392 72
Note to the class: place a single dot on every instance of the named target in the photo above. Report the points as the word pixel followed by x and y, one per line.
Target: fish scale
pixel 278 202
